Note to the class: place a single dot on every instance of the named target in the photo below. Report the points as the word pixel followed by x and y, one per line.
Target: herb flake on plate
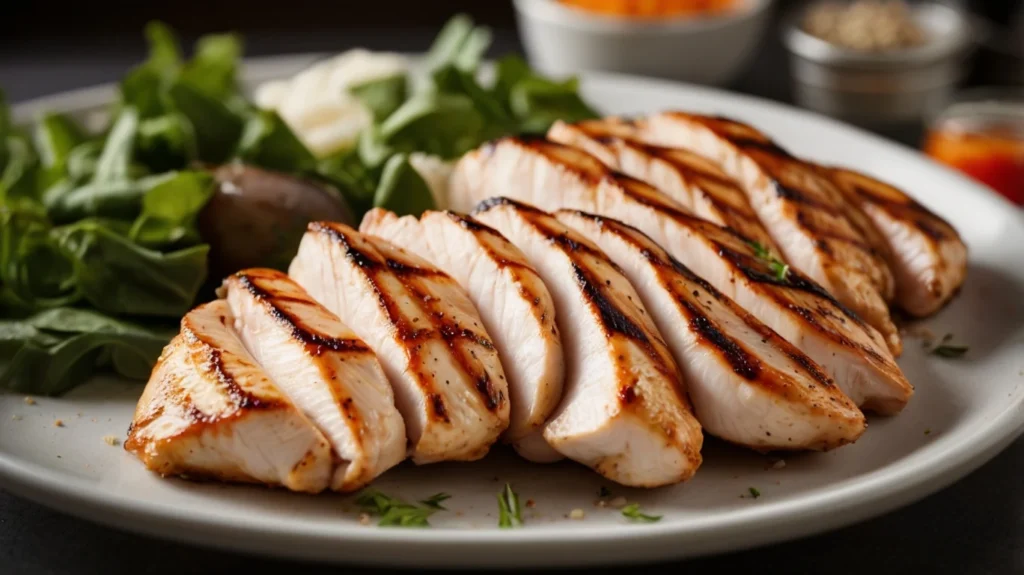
pixel 394 512
pixel 633 513
pixel 509 511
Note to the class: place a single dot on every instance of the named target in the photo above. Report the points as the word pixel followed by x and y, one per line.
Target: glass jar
pixel 981 133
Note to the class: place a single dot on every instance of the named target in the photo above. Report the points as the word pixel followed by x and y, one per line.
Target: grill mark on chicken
pixel 413 336
pixel 903 208
pixel 315 342
pixel 612 318
pixel 742 363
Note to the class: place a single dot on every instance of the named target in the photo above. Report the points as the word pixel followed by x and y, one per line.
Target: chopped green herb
pixel 927 432
pixel 779 268
pixel 948 351
pixel 633 513
pixel 509 510
pixel 754 492
pixel 435 500
pixel 394 512
pixel 604 492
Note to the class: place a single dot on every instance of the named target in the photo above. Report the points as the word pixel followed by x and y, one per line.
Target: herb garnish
pixel 632 512
pixel 394 512
pixel 946 350
pixel 435 500
pixel 754 492
pixel 604 492
pixel 779 268
pixel 509 510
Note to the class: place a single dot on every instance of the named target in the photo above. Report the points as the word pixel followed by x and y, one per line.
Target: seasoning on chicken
pixel 624 412
pixel 928 257
pixel 326 371
pixel 513 302
pixel 447 379
pixel 210 412
pixel 817 230
pixel 551 176
pixel 748 385
pixel 697 183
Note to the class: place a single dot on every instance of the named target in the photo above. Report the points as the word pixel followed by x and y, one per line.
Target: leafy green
pixel 382 96
pixel 53 350
pixel 213 69
pixel 436 500
pixel 117 276
pixel 401 189
pixel 166 142
pixel 170 210
pixel 34 272
pixel 268 142
pixel 346 172
pixel 394 512
pixel 446 125
pixel 510 513
pixel 216 127
pixel 633 513
pixel 56 135
pixel 116 158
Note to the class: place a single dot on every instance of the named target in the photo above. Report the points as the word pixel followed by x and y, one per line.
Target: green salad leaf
pixel 52 351
pixel 170 210
pixel 402 190
pixel 382 96
pixel 268 142
pixel 117 276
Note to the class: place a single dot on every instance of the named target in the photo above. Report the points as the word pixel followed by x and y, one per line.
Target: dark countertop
pixel 975 526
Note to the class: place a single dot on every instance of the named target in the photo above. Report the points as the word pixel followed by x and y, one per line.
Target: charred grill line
pixel 316 341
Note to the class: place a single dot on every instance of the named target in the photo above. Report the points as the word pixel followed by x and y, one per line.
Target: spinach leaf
pixel 170 209
pixel 538 102
pixel 18 173
pixel 382 96
pixel 213 68
pixel 509 71
pixel 459 43
pixel 216 127
pixel 144 87
pixel 118 199
pixel 116 158
pixel 54 350
pixel 117 276
pixel 446 125
pixel 34 272
pixel 166 143
pixel 402 190
pixel 267 141
pixel 498 119
pixel 346 172
pixel 56 135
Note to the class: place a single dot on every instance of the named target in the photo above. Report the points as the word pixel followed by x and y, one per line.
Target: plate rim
pixel 894 485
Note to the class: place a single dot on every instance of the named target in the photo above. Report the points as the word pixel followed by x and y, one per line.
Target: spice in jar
pixel 865 25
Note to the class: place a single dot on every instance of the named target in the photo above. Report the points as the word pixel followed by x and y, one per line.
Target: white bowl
pixel 562 40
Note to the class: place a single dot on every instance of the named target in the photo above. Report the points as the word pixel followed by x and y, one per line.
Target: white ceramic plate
pixel 963 413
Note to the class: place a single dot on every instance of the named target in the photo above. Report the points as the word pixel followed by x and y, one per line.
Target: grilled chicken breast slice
pixel 928 257
pixel 551 176
pixel 210 412
pixel 748 385
pixel 448 382
pixel 513 302
pixel 817 230
pixel 327 372
pixel 697 183
pixel 624 410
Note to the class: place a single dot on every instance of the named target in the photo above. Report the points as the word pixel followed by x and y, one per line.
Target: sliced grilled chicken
pixel 928 257
pixel 210 412
pixel 697 183
pixel 624 410
pixel 447 379
pixel 818 231
pixel 748 385
pixel 327 372
pixel 513 302
pixel 551 176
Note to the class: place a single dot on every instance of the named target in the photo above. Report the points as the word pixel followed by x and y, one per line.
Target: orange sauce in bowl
pixel 654 9
pixel 993 157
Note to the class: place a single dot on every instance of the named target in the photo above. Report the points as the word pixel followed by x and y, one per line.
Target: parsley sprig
pixel 510 513
pixel 394 512
pixel 633 513
pixel 779 268
pixel 944 349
